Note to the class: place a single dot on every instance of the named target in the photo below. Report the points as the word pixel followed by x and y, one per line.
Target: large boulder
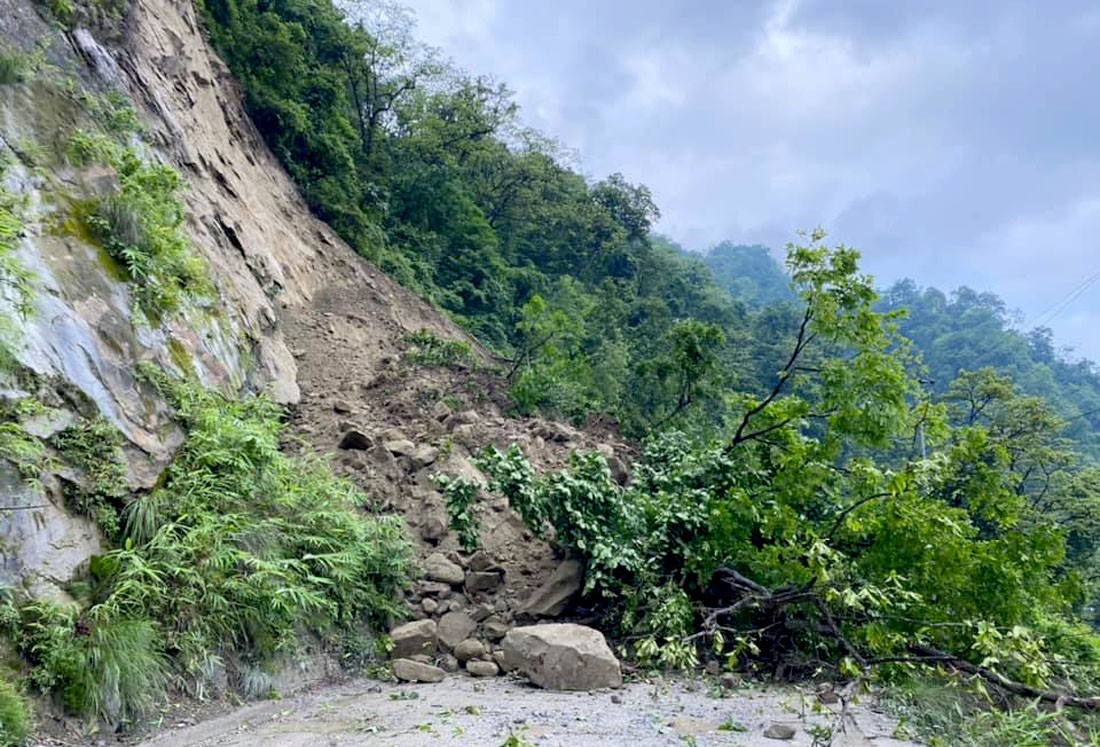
pixel 413 638
pixel 551 599
pixel 562 656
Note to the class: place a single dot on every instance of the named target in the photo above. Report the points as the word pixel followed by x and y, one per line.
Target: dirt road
pixel 486 713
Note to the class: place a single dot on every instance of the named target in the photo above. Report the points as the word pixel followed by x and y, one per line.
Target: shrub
pixel 94 447
pixel 141 227
pixel 99 665
pixel 14 718
pixel 13 68
pixel 424 348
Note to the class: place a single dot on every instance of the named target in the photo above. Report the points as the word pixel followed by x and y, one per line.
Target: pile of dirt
pixel 392 424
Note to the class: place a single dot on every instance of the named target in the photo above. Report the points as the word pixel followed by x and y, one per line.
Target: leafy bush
pixel 13 68
pixel 14 717
pixel 94 448
pixel 425 348
pixel 460 497
pixel 101 666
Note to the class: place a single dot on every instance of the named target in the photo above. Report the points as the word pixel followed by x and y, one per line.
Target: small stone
pixel 617 699
pixel 494 630
pixel 434 589
pixel 471 648
pixel 457 603
pixel 341 407
pixel 356 439
pixel 423 456
pixel 779 731
pixel 481 668
pixel 729 681
pixel 438 568
pixel 433 529
pixel 483 580
pixel 400 447
pixel 408 670
pixel 449 664
pixel 483 561
pixel 479 612
pixel 429 605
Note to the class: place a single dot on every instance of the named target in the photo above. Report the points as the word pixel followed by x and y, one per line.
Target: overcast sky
pixel 953 142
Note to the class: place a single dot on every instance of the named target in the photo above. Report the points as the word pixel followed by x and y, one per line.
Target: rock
pixel 713 668
pixel 619 470
pixel 354 438
pixel 413 638
pixel 479 612
pixel 501 661
pixel 449 664
pixel 383 462
pixel 483 580
pixel 455 627
pixel 483 561
pixel 429 605
pixel 422 456
pixel 617 699
pixel 481 668
pixel 400 447
pixel 456 603
pixel 729 681
pixel 494 630
pixel 434 589
pixel 408 670
pixel 471 648
pixel 341 407
pixel 49 423
pixel 466 417
pixel 553 597
pixel 438 568
pixel 562 656
pixel 780 731
pixel 433 529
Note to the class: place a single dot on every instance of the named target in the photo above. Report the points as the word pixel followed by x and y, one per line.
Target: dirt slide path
pixel 485 713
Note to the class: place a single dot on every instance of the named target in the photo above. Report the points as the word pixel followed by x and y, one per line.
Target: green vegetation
pixel 943 714
pixel 16 292
pixel 425 349
pixel 239 552
pixel 94 448
pixel 140 226
pixel 814 530
pixel 13 68
pixel 460 497
pixel 14 716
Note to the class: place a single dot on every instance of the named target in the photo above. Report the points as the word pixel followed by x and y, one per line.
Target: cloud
pixel 951 142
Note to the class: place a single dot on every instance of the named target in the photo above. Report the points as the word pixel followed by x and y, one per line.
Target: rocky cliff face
pixel 79 346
